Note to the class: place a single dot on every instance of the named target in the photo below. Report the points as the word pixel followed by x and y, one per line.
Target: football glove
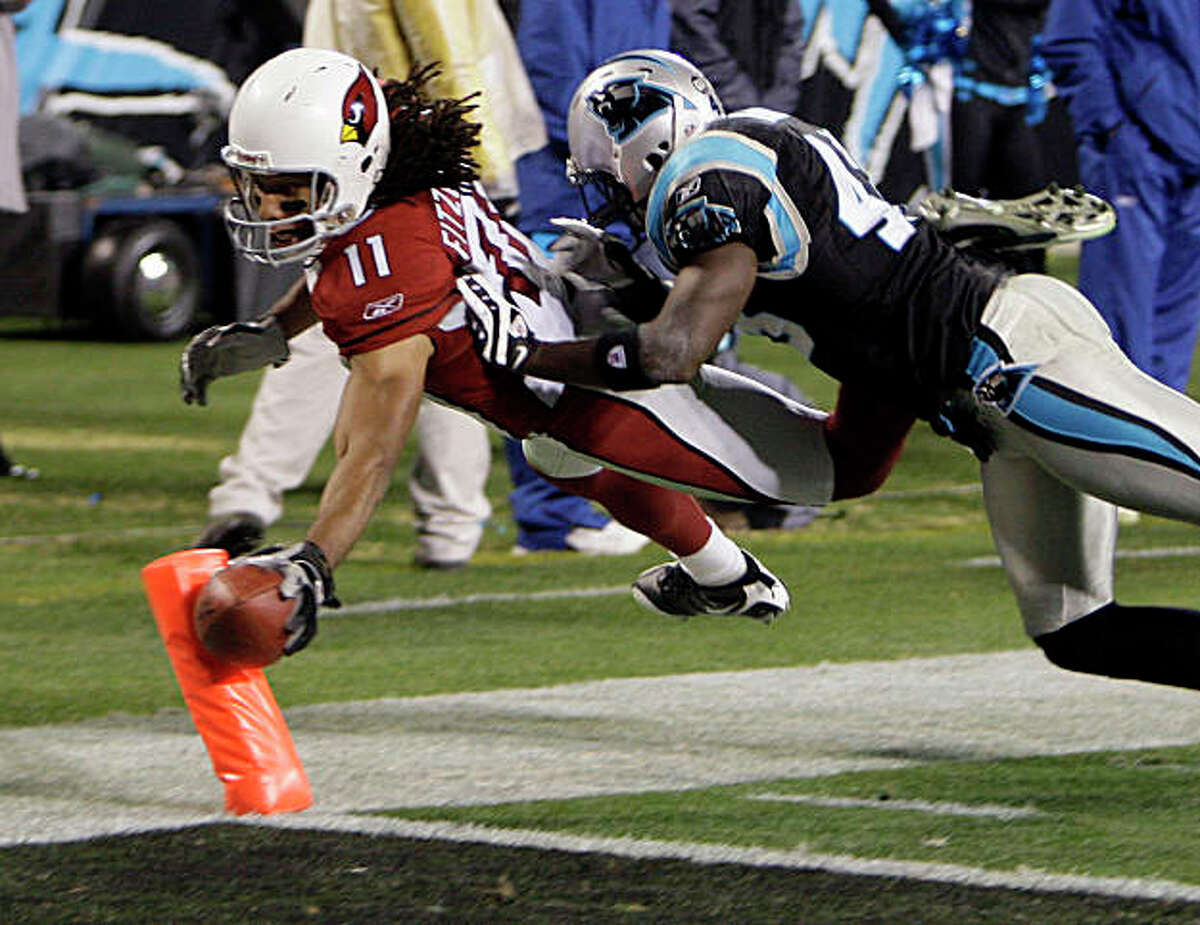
pixel 226 350
pixel 592 264
pixel 307 577
pixel 501 333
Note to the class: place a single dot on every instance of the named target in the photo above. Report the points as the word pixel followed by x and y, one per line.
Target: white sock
pixel 718 562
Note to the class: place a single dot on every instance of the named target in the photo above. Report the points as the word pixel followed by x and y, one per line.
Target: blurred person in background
pixel 1000 87
pixel 751 50
pixel 294 410
pixel 12 191
pixel 1131 72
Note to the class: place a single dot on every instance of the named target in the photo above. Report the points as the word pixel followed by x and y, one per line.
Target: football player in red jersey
pixel 373 187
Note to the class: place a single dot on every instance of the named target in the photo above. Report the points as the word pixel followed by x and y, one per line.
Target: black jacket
pixel 750 49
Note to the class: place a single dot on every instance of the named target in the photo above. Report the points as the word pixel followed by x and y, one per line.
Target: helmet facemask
pixel 607 201
pixel 308 214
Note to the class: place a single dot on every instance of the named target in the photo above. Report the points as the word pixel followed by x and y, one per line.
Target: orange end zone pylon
pixel 233 708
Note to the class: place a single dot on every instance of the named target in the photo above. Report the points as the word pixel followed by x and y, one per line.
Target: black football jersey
pixel 878 298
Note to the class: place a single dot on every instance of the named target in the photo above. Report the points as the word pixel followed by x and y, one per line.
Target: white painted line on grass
pixel 798 859
pixel 978 810
pixel 463 600
pixel 34 539
pixel 1162 552
pixel 972 488
pixel 124 773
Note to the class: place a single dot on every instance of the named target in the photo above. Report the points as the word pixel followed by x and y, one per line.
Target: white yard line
pixel 34 539
pixel 967 810
pixel 1160 552
pixel 615 736
pixel 799 859
pixel 138 773
pixel 395 604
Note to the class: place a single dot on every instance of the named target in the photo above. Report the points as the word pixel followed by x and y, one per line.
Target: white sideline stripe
pixel 445 600
pixel 798 859
pixel 33 539
pixel 1162 552
pixel 979 810
pixel 193 529
pixel 126 773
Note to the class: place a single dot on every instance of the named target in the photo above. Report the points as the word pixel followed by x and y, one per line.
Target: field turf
pixel 517 741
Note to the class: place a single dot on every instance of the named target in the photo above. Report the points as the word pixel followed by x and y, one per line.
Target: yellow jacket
pixel 472 41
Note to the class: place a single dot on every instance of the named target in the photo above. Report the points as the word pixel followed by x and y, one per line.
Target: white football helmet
pixel 321 117
pixel 630 113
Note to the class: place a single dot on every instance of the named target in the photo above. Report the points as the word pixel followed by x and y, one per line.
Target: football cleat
pixel 669 589
pixel 237 533
pixel 1050 216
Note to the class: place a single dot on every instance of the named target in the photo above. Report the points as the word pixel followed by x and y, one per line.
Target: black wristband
pixel 619 361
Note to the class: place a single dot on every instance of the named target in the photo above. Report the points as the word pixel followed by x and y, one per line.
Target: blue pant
pixel 544 513
pixel 1144 277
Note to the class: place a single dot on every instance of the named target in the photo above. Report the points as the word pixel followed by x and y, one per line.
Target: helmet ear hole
pixel 654 161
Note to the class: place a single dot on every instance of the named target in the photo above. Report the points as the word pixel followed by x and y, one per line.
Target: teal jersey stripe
pixel 1058 416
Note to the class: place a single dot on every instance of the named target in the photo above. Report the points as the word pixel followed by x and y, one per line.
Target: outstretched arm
pixel 378 408
pixel 293 311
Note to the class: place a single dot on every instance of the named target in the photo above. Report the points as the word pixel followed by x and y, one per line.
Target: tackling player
pixel 374 187
pixel 771 224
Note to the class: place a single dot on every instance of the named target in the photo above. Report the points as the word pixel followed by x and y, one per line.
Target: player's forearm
pixel 379 406
pixel 569 361
pixel 353 492
pixel 640 357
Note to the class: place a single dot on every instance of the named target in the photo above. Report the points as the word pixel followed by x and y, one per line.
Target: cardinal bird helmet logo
pixel 360 111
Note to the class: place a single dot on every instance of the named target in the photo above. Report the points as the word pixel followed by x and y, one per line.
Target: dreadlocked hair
pixel 431 139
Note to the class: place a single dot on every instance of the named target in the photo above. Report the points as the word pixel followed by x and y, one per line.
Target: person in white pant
pixel 12 192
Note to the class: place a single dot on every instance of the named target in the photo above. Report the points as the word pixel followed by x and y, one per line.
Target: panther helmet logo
pixel 360 111
pixel 627 104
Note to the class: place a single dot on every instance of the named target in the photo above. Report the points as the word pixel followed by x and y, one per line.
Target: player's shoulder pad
pixel 695 202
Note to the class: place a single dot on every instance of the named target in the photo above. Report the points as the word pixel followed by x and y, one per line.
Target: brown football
pixel 239 616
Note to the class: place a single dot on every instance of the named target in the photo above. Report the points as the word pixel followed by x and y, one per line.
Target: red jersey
pixel 393 275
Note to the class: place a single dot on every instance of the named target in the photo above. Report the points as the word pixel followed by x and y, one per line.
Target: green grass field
pixel 518 741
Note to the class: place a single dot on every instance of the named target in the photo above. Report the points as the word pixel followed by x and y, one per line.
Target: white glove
pixel 226 350
pixel 500 330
